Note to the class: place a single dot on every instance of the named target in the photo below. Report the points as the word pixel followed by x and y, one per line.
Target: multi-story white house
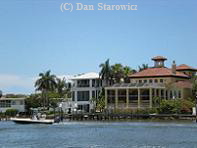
pixel 85 87
pixel 12 103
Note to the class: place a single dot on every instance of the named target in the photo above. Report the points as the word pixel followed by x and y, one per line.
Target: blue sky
pixel 36 36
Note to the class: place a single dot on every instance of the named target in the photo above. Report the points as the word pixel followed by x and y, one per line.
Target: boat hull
pixel 30 121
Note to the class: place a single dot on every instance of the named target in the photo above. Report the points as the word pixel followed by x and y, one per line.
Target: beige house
pixel 149 84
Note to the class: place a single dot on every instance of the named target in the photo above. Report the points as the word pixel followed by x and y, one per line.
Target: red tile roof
pixel 159 58
pixel 183 84
pixel 157 72
pixel 185 67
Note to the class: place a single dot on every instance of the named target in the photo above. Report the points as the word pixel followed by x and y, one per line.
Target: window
pixel 93 83
pixel 83 83
pixel 5 103
pixel 161 80
pixel 73 96
pixel 140 81
pixel 156 81
pixel 171 95
pixel 83 96
pixel 13 102
pixel 150 81
pixel 145 81
pixel 93 94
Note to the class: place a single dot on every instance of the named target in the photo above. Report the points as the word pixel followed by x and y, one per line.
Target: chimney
pixel 174 67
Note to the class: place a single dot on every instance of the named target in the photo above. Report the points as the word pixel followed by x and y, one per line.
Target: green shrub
pixel 11 112
pixel 175 106
pixel 153 110
pixel 186 106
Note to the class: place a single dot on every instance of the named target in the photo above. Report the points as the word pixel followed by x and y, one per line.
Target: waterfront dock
pixel 103 117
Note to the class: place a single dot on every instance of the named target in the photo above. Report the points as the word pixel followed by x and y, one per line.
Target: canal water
pixel 99 135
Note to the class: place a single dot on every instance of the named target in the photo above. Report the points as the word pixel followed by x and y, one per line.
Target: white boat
pixel 31 121
pixel 37 117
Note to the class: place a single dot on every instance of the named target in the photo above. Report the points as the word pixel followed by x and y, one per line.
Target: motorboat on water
pixel 36 118
pixel 31 121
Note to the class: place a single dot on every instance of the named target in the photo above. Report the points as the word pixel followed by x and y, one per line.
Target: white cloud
pixel 20 84
pixel 14 80
pixel 13 83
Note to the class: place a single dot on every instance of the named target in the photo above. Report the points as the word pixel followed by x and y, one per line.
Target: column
pixel 155 92
pixel 76 97
pixel 116 98
pixel 90 94
pixel 127 98
pixel 139 98
pixel 106 98
pixel 150 98
pixel 160 93
pixel 90 83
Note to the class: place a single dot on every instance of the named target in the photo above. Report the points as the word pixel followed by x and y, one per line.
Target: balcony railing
pixel 83 85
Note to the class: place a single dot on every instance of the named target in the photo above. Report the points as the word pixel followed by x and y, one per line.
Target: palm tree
pixel 117 72
pixel 61 86
pixel 45 84
pixel 105 73
pixel 127 71
pixel 143 67
pixel 99 102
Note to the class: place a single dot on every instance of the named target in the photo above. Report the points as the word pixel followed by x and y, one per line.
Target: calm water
pixel 99 135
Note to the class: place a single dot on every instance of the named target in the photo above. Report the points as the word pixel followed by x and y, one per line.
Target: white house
pixel 12 103
pixel 85 87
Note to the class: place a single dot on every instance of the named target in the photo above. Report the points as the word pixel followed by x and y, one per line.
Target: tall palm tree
pixel 46 83
pixel 105 73
pixel 143 67
pixel 61 86
pixel 127 71
pixel 117 72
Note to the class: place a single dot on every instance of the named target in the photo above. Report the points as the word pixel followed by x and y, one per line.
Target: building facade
pixel 148 85
pixel 12 103
pixel 85 87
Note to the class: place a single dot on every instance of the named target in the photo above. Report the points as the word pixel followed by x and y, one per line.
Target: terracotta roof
pixel 157 72
pixel 159 58
pixel 183 84
pixel 185 67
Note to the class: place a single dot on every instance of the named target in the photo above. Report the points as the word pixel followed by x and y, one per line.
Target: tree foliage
pixel 46 82
pixel 33 101
pixel 99 102
pixel 50 87
pixel 143 67
pixel 116 73
pixel 61 87
pixel 179 106
pixel 194 86
pixel 105 72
